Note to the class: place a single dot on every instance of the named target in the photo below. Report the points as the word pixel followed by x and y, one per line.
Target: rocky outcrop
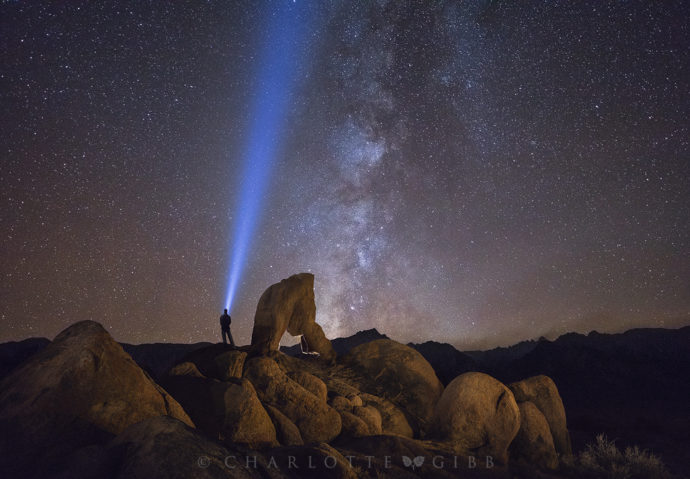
pixel 400 374
pixel 533 444
pixel 289 306
pixel 478 414
pixel 315 419
pixel 228 410
pixel 543 393
pixel 79 389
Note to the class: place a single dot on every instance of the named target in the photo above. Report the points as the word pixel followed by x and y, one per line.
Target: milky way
pixel 469 172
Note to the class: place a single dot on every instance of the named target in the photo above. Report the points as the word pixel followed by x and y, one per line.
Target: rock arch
pixel 289 306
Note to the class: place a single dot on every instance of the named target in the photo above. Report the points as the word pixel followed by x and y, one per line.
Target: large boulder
pixel 316 420
pixel 542 391
pixel 228 410
pixel 289 306
pixel 80 389
pixel 533 443
pixel 478 414
pixel 399 373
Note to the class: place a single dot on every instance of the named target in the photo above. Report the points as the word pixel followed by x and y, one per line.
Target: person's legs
pixel 232 341
pixel 224 332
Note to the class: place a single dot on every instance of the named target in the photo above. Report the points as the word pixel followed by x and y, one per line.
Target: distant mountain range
pixel 342 345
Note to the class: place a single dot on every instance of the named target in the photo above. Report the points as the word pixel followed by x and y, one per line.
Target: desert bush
pixel 604 460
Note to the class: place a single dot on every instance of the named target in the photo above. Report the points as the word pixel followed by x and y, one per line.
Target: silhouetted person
pixel 225 321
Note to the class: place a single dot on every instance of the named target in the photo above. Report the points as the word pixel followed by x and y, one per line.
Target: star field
pixel 476 173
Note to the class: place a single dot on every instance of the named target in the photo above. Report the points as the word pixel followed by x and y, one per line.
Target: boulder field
pixel 81 407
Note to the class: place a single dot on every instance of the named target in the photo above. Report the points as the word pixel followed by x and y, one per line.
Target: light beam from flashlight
pixel 280 61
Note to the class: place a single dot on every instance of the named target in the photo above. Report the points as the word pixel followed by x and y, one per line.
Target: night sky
pixel 476 173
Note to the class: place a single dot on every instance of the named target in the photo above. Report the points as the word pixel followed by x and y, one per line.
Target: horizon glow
pixel 279 62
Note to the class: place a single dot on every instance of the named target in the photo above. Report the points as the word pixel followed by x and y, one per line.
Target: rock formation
pixel 80 388
pixel 228 410
pixel 534 443
pixel 289 306
pixel 82 407
pixel 315 419
pixel 542 391
pixel 479 414
pixel 400 374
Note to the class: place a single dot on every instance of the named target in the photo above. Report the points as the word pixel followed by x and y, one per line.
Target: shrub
pixel 604 460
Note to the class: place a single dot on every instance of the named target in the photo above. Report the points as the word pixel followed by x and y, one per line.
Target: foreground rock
pixel 80 389
pixel 543 393
pixel 227 410
pixel 315 419
pixel 477 414
pixel 163 447
pixel 399 373
pixel 533 444
pixel 289 306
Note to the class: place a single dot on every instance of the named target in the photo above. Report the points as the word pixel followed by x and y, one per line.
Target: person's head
pixel 225 311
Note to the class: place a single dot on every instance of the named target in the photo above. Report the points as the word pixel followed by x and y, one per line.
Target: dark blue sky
pixel 470 172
